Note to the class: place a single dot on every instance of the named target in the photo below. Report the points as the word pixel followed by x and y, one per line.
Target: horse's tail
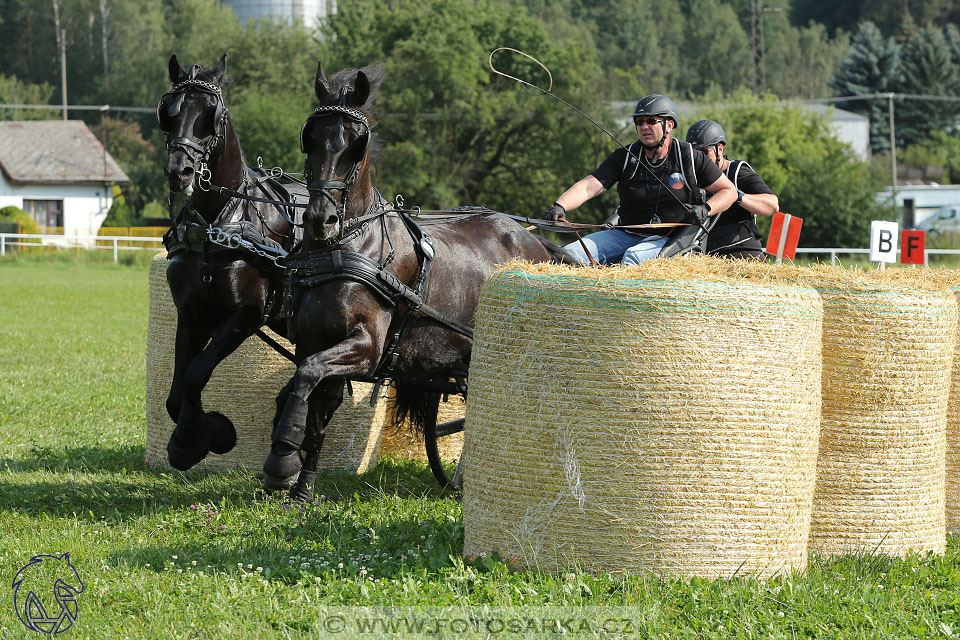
pixel 557 253
pixel 416 403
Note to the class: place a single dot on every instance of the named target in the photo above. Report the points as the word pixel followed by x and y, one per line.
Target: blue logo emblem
pixel 51 580
pixel 676 181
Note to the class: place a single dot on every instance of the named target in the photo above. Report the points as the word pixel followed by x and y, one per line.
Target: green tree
pixel 14 91
pixel 928 69
pixel 801 61
pixel 871 66
pixel 816 176
pixel 723 54
pixel 141 160
pixel 455 133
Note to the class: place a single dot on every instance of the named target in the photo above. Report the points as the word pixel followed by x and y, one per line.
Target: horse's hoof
pixel 173 409
pixel 273 483
pixel 303 490
pixel 223 436
pixel 283 464
pixel 184 457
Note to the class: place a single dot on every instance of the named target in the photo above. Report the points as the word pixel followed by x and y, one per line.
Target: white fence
pixel 102 243
pixel 833 252
pixel 136 243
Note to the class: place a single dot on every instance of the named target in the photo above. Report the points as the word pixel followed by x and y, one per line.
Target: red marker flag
pixel 784 235
pixel 912 246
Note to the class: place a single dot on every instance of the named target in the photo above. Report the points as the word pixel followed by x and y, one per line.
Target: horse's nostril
pixel 330 221
pixel 186 172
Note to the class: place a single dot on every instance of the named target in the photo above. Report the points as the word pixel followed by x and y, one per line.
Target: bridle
pixel 327 187
pixel 169 106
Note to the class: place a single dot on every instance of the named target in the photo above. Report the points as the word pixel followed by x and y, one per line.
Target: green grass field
pixel 172 555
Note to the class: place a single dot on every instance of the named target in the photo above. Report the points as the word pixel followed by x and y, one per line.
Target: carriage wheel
pixel 433 435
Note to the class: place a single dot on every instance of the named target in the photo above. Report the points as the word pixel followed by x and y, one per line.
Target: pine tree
pixel 928 69
pixel 872 66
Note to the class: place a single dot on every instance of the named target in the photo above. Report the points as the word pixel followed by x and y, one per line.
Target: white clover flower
pixel 174 557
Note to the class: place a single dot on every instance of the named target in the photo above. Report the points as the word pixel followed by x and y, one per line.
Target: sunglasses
pixel 647 121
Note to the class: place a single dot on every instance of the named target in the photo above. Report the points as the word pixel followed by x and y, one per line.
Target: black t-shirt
pixel 641 196
pixel 744 178
pixel 736 229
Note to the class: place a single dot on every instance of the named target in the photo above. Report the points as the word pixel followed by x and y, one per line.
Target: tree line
pixel 450 131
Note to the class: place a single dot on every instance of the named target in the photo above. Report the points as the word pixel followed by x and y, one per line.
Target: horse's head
pixel 193 116
pixel 336 140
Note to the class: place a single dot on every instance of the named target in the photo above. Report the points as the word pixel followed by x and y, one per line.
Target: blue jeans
pixel 615 245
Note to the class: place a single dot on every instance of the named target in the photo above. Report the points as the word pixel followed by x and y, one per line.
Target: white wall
pixel 84 207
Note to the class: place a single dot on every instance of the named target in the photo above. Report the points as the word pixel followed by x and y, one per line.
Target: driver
pixel 654 182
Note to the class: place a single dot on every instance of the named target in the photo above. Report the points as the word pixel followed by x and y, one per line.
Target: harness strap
pixel 318 268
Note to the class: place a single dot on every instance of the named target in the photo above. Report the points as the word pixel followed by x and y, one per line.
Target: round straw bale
pixel 404 442
pixel 655 418
pixel 888 343
pixel 243 388
pixel 950 278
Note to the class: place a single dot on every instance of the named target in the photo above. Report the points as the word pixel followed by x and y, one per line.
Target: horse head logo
pixel 38 578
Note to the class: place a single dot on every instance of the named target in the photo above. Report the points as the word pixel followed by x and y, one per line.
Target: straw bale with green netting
pixel 662 417
pixel 888 344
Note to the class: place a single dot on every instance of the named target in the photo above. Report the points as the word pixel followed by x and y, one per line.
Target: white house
pixel 59 173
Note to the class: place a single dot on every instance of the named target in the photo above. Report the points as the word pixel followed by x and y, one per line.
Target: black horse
pixel 223 249
pixel 376 294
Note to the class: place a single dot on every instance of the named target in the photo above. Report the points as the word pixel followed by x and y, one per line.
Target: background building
pixel 307 12
pixel 59 173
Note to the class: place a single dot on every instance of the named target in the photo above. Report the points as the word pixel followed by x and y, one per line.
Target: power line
pixel 78 107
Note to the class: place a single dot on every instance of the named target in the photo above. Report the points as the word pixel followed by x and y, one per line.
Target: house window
pixel 46 213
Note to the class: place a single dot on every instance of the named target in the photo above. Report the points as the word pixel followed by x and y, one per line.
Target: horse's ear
pixel 320 85
pixel 361 90
pixel 219 71
pixel 175 70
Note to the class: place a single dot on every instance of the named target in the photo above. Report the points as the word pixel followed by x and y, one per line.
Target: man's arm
pixel 724 195
pixel 581 191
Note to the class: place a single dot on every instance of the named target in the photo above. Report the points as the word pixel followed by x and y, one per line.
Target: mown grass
pixel 195 555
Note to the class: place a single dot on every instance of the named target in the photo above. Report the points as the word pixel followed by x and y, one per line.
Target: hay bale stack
pixel 888 343
pixel 404 442
pixel 244 387
pixel 950 279
pixel 661 417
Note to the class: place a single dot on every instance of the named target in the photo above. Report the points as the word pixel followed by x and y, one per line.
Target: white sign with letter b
pixel 883 241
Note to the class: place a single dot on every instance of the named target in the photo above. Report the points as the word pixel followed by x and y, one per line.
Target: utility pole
pixel 758 44
pixel 62 47
pixel 893 149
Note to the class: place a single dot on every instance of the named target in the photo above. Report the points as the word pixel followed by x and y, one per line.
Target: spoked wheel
pixel 434 437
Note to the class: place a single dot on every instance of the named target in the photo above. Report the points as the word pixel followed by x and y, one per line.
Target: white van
pixel 944 220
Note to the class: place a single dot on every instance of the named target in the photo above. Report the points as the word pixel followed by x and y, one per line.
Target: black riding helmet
pixel 705 133
pixel 656 105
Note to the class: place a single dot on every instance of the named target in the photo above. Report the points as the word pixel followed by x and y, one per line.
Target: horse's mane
pixel 344 78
